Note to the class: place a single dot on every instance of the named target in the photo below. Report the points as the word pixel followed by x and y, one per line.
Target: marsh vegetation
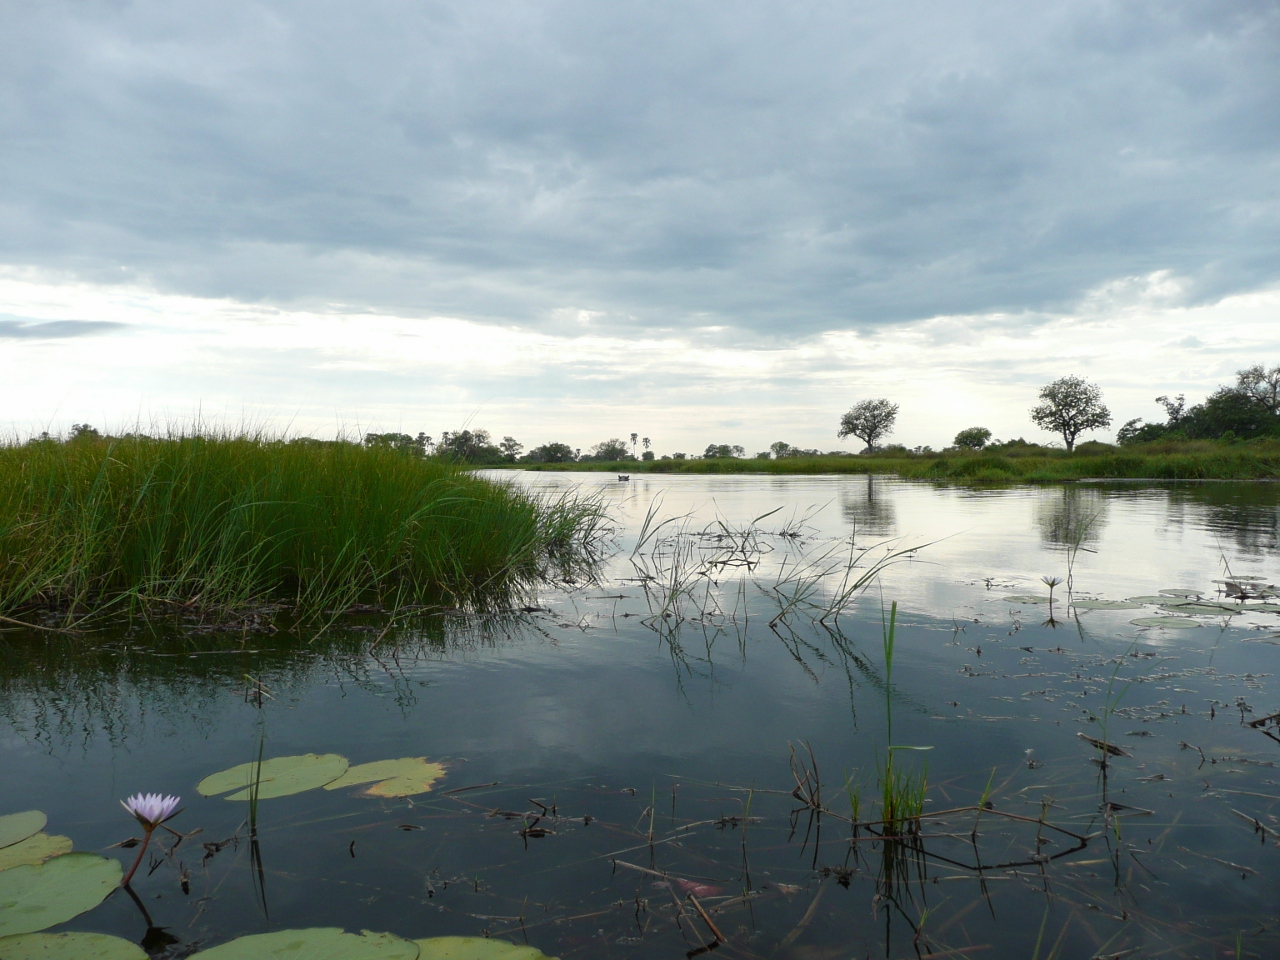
pixel 223 525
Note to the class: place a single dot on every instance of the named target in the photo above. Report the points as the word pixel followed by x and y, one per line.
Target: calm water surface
pixel 637 732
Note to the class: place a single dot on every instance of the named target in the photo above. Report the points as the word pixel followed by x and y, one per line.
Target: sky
pixel 704 222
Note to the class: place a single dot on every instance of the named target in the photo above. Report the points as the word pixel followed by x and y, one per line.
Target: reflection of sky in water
pixel 593 695
pixel 1142 540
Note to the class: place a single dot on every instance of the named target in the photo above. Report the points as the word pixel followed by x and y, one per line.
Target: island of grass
pixel 94 526
pixel 1009 463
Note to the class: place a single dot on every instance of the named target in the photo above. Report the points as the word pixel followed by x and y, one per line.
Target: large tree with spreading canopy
pixel 869 421
pixel 1069 407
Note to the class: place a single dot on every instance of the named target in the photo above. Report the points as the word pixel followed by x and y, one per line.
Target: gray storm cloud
pixel 22 328
pixel 777 168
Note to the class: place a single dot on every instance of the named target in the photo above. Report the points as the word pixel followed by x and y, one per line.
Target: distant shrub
pixel 609 451
pixel 551 453
pixel 723 450
pixel 400 442
pixel 972 438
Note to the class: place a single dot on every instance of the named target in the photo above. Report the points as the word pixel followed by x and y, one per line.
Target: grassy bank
pixel 213 524
pixel 1203 460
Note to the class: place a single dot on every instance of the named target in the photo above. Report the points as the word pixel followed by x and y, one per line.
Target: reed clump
pixel 92 526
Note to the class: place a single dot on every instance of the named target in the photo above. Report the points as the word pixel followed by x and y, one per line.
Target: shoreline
pixel 1223 465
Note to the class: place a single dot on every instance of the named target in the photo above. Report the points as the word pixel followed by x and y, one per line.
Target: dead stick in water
pixel 632 866
pixel 1258 825
pixel 474 786
pixel 715 931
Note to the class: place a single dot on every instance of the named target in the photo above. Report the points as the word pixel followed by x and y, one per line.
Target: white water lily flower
pixel 151 809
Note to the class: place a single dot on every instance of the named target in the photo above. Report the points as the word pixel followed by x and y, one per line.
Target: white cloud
pixel 321 373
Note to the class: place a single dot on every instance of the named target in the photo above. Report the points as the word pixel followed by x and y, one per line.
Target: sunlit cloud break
pixel 170 359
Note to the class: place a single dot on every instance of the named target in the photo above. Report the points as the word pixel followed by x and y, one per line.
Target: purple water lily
pixel 150 810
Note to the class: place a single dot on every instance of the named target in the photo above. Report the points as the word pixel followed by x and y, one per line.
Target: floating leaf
pixel 32 850
pixel 16 827
pixel 405 777
pixel 1177 623
pixel 1179 592
pixel 475 948
pixel 316 943
pixel 280 776
pixel 35 897
pixel 69 946
pixel 1154 598
pixel 1262 608
pixel 1027 599
pixel 1105 605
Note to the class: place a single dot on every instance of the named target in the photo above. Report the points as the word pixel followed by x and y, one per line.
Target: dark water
pixel 653 713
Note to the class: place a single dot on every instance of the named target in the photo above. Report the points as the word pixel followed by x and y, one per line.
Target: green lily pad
pixel 475 948
pixel 32 850
pixel 1179 592
pixel 1151 598
pixel 1202 608
pixel 316 943
pixel 1176 623
pixel 405 777
pixel 1105 605
pixel 16 827
pixel 69 946
pixel 36 897
pixel 1019 598
pixel 280 776
pixel 1262 608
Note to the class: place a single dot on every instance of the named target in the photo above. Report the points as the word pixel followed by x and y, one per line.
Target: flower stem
pixel 146 839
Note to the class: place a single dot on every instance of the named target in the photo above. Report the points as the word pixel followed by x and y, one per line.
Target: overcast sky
pixel 704 222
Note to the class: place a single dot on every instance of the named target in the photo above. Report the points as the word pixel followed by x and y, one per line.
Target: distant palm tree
pixel 645 441
pixel 634 438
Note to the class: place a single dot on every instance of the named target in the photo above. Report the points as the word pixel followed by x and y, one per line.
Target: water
pixel 665 749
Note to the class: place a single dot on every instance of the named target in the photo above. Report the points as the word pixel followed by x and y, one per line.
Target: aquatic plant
pixel 207 524
pixel 150 810
pixel 901 791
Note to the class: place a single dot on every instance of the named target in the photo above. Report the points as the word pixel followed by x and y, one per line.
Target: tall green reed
pixel 902 791
pixel 218 522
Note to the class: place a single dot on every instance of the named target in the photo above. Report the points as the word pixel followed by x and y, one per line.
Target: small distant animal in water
pixel 624 476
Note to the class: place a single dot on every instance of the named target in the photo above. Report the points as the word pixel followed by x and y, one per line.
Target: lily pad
pixel 1176 623
pixel 476 948
pixel 1152 598
pixel 316 943
pixel 32 850
pixel 1105 605
pixel 69 946
pixel 16 827
pixel 280 776
pixel 1262 608
pixel 405 777
pixel 1027 598
pixel 1180 592
pixel 35 897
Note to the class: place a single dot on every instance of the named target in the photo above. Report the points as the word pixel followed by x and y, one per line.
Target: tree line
pixel 1069 407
